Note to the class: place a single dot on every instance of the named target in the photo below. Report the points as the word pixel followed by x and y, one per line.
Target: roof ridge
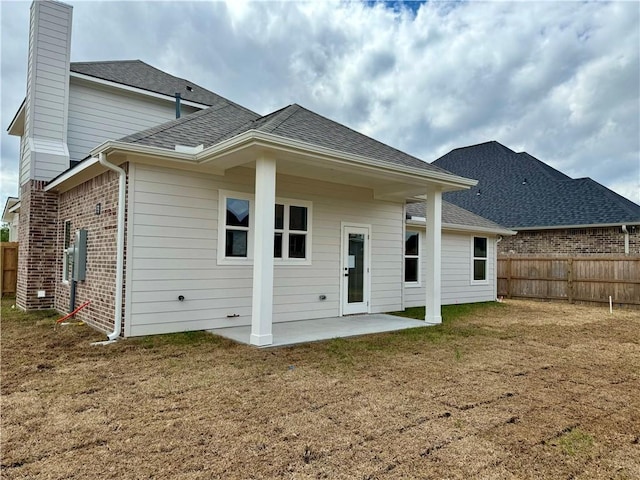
pixel 544 167
pixel 248 125
pixel 93 62
pixel 628 205
pixel 271 125
pixel 362 135
pixel 477 145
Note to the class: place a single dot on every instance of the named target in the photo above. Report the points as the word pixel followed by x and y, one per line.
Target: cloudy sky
pixel 560 80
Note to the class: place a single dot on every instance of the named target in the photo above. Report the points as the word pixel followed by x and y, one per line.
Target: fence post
pixel 509 277
pixel 570 279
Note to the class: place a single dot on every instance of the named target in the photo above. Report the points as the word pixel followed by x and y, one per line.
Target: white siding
pixel 99 113
pixel 44 155
pixel 173 250
pixel 457 272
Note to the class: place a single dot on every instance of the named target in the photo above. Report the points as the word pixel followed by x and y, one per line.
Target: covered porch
pixel 302 331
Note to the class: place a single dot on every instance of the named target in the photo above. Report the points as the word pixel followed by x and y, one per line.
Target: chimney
pixel 45 153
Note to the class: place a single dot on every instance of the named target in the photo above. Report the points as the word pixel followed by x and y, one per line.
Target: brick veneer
pixel 78 206
pixel 37 246
pixel 579 241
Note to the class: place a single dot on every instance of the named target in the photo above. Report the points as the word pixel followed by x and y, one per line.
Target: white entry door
pixel 355 269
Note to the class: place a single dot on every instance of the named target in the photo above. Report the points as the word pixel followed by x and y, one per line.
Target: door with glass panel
pixel 355 269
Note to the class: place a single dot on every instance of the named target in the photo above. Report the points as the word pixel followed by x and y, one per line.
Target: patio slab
pixel 291 333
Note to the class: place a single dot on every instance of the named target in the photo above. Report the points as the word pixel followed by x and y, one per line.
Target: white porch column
pixel 433 252
pixel 262 306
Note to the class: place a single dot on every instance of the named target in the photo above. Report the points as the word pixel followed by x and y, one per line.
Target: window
pixel 291 230
pixel 412 257
pixel 479 259
pixel 236 227
pixel 67 258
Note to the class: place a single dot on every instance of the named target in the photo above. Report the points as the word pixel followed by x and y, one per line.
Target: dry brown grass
pixel 518 390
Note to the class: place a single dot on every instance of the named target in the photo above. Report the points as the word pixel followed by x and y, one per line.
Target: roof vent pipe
pixel 178 98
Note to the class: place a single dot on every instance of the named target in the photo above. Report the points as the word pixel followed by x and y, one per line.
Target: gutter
pixel 626 239
pixel 454 227
pixel 122 191
pixel 261 139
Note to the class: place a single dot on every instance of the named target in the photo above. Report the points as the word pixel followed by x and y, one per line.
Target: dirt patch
pixel 519 390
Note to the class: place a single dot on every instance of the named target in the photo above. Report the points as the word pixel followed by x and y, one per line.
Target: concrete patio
pixel 290 333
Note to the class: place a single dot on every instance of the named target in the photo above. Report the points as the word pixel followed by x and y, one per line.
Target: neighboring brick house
pixel 186 226
pixel 554 214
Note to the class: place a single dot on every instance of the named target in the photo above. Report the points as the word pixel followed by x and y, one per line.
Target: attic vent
pixel 524 182
pixel 189 88
pixel 187 149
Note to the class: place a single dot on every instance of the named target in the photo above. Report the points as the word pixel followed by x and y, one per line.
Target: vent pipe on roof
pixel 178 98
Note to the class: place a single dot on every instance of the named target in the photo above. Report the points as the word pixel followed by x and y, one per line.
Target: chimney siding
pixel 46 154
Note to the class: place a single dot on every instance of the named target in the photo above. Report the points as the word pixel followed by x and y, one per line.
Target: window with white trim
pixel 292 230
pixel 236 234
pixel 479 259
pixel 412 257
pixel 67 258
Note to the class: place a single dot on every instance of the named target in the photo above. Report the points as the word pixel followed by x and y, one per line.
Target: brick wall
pixel 78 206
pixel 577 242
pixel 37 246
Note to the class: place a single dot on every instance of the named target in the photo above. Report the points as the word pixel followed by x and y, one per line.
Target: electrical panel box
pixel 80 256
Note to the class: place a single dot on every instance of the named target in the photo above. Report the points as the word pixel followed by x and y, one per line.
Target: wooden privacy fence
pixel 8 267
pixel 575 279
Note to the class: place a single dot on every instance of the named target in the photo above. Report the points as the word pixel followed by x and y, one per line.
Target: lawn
pixel 517 390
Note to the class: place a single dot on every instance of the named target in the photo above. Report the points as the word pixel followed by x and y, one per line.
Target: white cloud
pixel 557 79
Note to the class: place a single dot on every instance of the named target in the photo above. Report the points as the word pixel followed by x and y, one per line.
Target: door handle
pixel 346 274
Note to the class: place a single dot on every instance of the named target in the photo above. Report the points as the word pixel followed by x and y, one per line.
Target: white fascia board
pixel 16 127
pixel 111 146
pixel 297 146
pixel 11 206
pixel 15 208
pixel 453 227
pixel 83 165
pixel 141 91
pixel 254 138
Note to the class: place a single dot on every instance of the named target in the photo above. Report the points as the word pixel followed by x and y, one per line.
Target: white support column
pixel 262 306
pixel 433 252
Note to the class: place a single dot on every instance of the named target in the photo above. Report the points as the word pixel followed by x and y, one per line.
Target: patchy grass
pixel 513 390
pixel 575 442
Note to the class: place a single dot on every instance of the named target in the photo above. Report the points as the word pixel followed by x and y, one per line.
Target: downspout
pixel 626 239
pixel 122 190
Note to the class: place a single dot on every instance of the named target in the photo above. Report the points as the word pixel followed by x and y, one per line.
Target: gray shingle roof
pixel 206 127
pixel 294 122
pixel 519 191
pixel 454 215
pixel 136 73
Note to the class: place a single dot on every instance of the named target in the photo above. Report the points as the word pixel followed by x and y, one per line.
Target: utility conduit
pixel 71 314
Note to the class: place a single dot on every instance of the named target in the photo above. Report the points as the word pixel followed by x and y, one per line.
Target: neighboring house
pixel 553 213
pixel 11 217
pixel 221 217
